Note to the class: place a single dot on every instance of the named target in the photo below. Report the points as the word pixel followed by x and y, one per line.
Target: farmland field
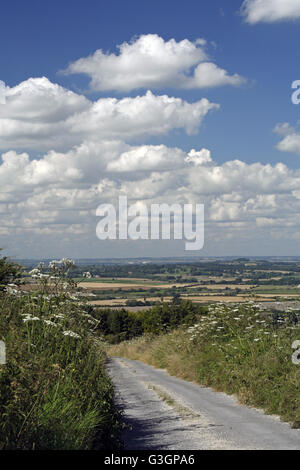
pixel 137 285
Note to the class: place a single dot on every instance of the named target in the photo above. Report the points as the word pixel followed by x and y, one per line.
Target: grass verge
pixel 54 391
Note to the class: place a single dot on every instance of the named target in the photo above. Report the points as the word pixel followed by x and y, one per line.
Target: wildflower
pixel 67 261
pixel 53 264
pixel 34 272
pixel 71 333
pixel 11 291
pixel 87 275
pixel 256 339
pixel 49 322
pixel 73 297
pixel 30 318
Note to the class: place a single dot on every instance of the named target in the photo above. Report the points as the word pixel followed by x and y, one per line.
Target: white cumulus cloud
pixel 291 138
pixel 41 115
pixel 151 62
pixel 270 11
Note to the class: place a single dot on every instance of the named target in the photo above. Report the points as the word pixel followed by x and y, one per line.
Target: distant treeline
pixel 175 271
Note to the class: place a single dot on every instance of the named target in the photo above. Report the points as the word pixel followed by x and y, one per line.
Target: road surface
pixel 167 413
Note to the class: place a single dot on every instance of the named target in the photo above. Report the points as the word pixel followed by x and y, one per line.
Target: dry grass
pixel 111 285
pixel 125 286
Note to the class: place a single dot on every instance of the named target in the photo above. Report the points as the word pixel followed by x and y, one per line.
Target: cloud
pixel 240 177
pixel 49 203
pixel 208 75
pixel 140 116
pixel 66 188
pixel 290 143
pixel 151 62
pixel 198 158
pixel 41 101
pixel 41 115
pixel 270 11
pixel 291 138
pixel 147 157
pixel 35 113
pixel 90 152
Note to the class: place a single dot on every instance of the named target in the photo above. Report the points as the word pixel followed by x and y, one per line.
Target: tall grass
pixel 54 391
pixel 238 350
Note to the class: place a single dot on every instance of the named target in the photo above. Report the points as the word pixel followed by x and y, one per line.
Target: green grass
pixel 54 391
pixel 235 349
pixel 277 290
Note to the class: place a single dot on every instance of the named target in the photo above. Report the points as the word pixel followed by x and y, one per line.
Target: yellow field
pixel 110 285
pixel 112 302
pixel 123 285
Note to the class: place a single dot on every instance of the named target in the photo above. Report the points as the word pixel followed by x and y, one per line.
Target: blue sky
pixel 45 37
pixel 40 39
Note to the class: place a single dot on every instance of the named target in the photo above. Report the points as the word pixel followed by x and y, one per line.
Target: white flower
pixel 49 322
pixel 11 291
pixel 73 297
pixel 30 318
pixel 34 272
pixel 53 264
pixel 71 333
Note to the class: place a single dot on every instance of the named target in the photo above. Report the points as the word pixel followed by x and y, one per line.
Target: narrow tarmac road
pixel 167 413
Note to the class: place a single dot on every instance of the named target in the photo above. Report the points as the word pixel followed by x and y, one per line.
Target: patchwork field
pixel 137 287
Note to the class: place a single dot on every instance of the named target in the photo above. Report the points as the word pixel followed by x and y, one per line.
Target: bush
pixel 119 324
pixel 9 272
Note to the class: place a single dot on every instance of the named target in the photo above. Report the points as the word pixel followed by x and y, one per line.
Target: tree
pixel 9 271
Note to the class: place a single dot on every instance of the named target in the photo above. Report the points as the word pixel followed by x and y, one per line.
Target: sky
pixel 164 102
